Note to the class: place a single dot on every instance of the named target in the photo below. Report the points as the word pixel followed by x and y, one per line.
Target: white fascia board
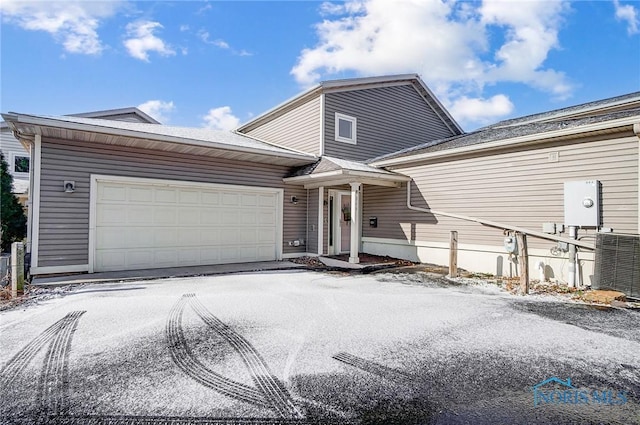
pixel 521 140
pixel 49 122
pixel 437 101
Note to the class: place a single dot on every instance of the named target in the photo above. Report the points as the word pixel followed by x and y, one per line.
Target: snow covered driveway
pixel 308 347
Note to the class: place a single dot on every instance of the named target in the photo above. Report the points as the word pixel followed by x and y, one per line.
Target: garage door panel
pixel 164 196
pixel 247 235
pixel 248 253
pixel 267 201
pixel 210 198
pixel 140 225
pixel 189 197
pixel 209 216
pixel 165 237
pixel 230 199
pixel 210 255
pixel 189 237
pixel 249 200
pixel 139 194
pixel 139 258
pixel 137 214
pixel 110 193
pixel 229 217
pixel 165 216
pixel 189 216
pixel 267 218
pixel 248 218
pixel 110 238
pixel 139 237
pixel 111 214
pixel 266 236
pixel 210 237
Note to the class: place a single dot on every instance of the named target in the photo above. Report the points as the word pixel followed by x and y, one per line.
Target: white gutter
pixel 48 122
pixel 499 144
pixel 497 224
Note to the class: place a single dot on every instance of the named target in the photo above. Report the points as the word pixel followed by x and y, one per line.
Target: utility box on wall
pixel 582 203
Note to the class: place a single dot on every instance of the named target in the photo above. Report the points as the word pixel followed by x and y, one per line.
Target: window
pixel 20 163
pixel 345 128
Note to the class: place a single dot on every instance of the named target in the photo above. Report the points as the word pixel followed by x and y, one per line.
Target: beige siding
pixel 298 128
pixel 388 119
pixel 64 218
pixel 520 188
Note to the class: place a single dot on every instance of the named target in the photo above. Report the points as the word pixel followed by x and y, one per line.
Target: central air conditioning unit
pixel 617 263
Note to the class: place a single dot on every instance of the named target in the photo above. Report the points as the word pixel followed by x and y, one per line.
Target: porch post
pixel 355 222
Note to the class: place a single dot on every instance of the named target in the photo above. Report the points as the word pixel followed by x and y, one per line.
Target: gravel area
pixel 314 347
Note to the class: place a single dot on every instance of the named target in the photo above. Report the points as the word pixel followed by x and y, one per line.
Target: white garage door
pixel 142 225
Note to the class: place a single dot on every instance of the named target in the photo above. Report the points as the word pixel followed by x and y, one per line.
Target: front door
pixel 343 236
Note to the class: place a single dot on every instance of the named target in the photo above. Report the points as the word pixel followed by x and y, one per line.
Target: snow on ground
pixel 367 348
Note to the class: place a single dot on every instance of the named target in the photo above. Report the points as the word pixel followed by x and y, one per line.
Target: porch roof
pixel 329 171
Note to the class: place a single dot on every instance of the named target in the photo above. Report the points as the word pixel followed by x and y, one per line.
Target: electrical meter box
pixel 582 203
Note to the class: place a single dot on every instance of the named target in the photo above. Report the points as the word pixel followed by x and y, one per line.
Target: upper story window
pixel 20 163
pixel 345 128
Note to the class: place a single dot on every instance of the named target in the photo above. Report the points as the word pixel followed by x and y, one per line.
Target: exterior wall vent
pixel 617 263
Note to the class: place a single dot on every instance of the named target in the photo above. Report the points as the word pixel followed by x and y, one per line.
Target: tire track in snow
pixel 54 378
pixel 267 383
pixel 184 358
pixel 373 368
pixel 23 357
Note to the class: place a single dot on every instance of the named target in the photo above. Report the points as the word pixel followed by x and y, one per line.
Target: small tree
pixel 11 213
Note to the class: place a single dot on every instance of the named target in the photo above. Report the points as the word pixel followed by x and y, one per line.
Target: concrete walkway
pixel 164 273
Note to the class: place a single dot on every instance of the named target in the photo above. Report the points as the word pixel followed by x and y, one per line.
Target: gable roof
pixel 119 114
pixel 199 141
pixel 352 84
pixel 112 114
pixel 595 117
pixel 329 171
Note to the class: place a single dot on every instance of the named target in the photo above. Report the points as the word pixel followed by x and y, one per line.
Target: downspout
pixel 497 224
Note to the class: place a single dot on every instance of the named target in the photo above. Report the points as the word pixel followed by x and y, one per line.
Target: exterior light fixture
pixel 294 200
pixel 69 186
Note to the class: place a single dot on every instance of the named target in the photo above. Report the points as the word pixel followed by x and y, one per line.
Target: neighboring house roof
pixel 199 141
pixel 143 117
pixel 358 84
pixel 110 114
pixel 330 171
pixel 598 107
pixel 501 134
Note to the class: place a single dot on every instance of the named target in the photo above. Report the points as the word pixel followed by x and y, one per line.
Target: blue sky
pixel 217 64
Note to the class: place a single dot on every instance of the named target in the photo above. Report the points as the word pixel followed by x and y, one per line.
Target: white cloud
pixel 221 119
pixel 184 28
pixel 479 110
pixel 453 45
pixel 158 109
pixel 629 14
pixel 204 36
pixel 72 23
pixel 142 40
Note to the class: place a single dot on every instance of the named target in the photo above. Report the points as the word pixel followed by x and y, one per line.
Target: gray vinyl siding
pixel 520 188
pixel 298 128
pixel 312 214
pixel 388 119
pixel 64 218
